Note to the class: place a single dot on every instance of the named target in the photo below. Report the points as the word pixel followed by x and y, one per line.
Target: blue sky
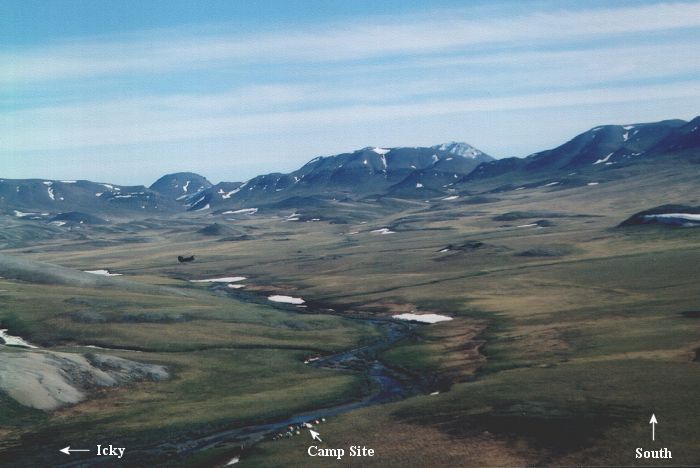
pixel 127 91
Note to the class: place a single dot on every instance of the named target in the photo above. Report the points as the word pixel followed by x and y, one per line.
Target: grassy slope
pixel 218 381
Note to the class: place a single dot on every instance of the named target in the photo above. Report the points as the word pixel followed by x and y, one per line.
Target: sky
pixel 127 91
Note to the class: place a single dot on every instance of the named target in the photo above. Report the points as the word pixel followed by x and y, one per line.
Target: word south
pixel 663 453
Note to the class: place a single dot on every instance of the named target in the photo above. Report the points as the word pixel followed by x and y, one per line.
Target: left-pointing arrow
pixel 68 450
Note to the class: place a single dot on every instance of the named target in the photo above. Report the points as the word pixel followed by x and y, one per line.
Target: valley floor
pixel 565 336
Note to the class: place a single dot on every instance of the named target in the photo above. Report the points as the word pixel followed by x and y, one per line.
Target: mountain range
pixel 600 154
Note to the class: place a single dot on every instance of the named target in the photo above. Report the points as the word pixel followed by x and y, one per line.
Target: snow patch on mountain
pixel 605 159
pixel 21 214
pixel 227 195
pixel 242 211
pixel 459 149
pixel 670 218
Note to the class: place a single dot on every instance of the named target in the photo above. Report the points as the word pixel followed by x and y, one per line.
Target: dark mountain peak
pixel 369 158
pixel 180 185
pixel 601 147
pixel 212 196
pixel 393 164
pixel 605 145
pixel 362 172
pixel 60 196
pixel 683 138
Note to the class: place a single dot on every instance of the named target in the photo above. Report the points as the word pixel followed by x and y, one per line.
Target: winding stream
pixel 387 385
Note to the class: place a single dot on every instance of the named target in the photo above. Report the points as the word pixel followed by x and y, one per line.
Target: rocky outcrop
pixel 49 380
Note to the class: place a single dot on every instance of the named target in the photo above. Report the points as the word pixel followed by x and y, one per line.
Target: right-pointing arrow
pixel 653 423
pixel 315 435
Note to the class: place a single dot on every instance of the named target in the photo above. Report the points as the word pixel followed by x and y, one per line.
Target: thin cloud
pixel 336 42
pixel 51 131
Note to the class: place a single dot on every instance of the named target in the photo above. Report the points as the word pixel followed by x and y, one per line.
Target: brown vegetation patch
pixel 458 347
pixel 411 445
pixel 539 340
